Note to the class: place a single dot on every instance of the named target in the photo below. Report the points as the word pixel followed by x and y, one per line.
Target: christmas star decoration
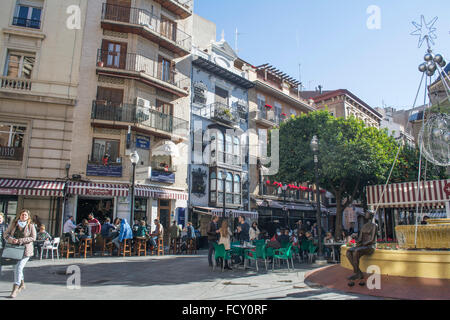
pixel 425 31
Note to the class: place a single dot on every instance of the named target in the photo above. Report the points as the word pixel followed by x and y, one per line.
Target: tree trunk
pixel 338 224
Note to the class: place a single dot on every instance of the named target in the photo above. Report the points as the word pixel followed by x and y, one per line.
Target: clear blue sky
pixel 331 41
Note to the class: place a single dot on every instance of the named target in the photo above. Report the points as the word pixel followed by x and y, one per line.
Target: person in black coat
pixel 213 235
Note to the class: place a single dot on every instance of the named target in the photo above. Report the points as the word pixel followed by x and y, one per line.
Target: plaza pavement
pixel 171 277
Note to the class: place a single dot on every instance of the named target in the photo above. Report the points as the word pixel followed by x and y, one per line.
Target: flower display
pixel 268 106
pixel 351 243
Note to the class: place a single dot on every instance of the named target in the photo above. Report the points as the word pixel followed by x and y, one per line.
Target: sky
pixel 332 43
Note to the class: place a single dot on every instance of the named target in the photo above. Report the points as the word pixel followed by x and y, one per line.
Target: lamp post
pixel 284 187
pixel 134 158
pixel 315 149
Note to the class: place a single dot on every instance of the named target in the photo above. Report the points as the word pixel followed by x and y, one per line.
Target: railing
pixel 15 83
pixel 102 110
pixel 185 3
pixel 142 17
pixel 268 114
pixel 139 63
pixel 28 23
pixel 220 112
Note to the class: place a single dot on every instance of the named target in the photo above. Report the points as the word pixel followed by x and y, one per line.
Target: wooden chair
pixel 125 247
pixel 67 248
pixel 174 245
pixel 140 246
pixel 159 250
pixel 107 246
pixel 85 245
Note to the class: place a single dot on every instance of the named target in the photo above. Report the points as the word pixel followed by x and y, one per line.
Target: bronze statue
pixel 365 245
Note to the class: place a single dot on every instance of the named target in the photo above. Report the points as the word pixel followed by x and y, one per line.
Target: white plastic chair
pixel 51 246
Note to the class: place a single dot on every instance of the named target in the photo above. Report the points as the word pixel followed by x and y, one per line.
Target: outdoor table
pixel 243 248
pixel 334 245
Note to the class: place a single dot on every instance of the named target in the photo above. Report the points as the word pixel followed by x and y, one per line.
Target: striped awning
pixel 432 194
pixel 159 193
pixel 23 187
pixel 98 189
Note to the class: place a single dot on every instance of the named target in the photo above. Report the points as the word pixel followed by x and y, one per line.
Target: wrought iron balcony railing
pixel 139 63
pixel 220 112
pixel 28 23
pixel 142 17
pixel 144 116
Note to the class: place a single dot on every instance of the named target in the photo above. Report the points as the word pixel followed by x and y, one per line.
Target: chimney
pixel 320 89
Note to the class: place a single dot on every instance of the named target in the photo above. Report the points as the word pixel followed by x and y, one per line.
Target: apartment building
pixel 219 156
pixel 395 129
pixel 134 96
pixel 343 103
pixel 274 98
pixel 40 61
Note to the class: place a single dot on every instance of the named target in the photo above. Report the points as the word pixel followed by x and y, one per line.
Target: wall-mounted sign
pixel 11 153
pixel 143 142
pixel 162 176
pixel 104 171
pixel 6 191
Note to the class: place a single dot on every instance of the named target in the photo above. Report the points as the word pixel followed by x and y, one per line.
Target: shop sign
pixel 104 171
pixel 162 176
pixel 6 191
pixel 99 192
pixel 142 142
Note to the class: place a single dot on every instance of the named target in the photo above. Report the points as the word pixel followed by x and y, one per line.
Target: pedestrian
pixel 107 228
pixel 95 225
pixel 3 228
pixel 254 231
pixel 21 232
pixel 243 229
pixel 213 233
pixel 225 234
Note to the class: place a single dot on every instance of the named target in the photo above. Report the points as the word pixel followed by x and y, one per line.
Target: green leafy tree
pixel 351 156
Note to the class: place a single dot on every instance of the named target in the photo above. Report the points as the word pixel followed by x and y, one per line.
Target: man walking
pixel 213 233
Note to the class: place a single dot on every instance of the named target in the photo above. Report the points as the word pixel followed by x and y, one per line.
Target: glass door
pixel 164 217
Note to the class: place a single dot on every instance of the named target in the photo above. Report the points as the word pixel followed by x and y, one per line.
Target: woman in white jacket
pixel 225 234
pixel 254 231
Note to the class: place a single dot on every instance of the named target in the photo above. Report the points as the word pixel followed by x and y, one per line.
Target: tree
pixel 351 155
pixel 407 167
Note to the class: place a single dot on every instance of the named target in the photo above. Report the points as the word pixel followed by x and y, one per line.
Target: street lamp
pixel 284 187
pixel 134 158
pixel 315 149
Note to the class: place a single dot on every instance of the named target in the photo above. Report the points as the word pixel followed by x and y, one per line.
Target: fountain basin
pixel 429 236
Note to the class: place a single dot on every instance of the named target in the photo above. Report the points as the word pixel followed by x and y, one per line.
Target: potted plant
pixel 100 64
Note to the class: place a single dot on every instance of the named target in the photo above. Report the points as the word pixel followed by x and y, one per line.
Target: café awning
pixel 98 189
pixel 24 187
pixel 432 194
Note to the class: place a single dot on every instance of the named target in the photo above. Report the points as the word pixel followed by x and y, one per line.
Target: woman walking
pixel 21 232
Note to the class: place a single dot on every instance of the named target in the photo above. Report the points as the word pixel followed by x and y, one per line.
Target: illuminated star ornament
pixel 425 31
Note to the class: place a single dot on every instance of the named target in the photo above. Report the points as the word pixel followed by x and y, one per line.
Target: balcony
pixel 182 8
pixel 27 23
pixel 144 69
pixel 142 118
pixel 16 84
pixel 267 117
pixel 221 113
pixel 145 24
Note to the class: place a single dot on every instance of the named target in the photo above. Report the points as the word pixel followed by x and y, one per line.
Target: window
pixel 277 111
pixel 12 135
pixel 28 14
pixel 221 95
pixel 262 142
pixel 105 151
pixel 236 151
pixel 165 69
pixel 168 28
pixel 113 54
pixel 237 189
pixel 19 65
pixel 228 149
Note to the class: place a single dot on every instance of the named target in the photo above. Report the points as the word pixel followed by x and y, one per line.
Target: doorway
pixel 101 208
pixel 164 216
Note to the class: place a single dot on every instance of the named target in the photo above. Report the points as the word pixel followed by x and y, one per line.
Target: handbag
pixel 12 251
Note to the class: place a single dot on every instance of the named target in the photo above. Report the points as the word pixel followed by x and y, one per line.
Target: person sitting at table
pixel 125 233
pixel 85 230
pixel 142 231
pixel 156 234
pixel 225 234
pixel 328 240
pixel 69 227
pixel 284 237
pixel 107 228
pixel 254 231
pixel 41 237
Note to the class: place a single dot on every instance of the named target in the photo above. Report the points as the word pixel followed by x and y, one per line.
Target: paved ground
pixel 166 277
pixel 335 278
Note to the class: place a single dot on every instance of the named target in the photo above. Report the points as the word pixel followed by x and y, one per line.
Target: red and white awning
pixel 432 194
pixel 39 188
pixel 98 189
pixel 159 193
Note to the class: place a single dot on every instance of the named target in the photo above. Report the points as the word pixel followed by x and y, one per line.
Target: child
pixel 41 237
